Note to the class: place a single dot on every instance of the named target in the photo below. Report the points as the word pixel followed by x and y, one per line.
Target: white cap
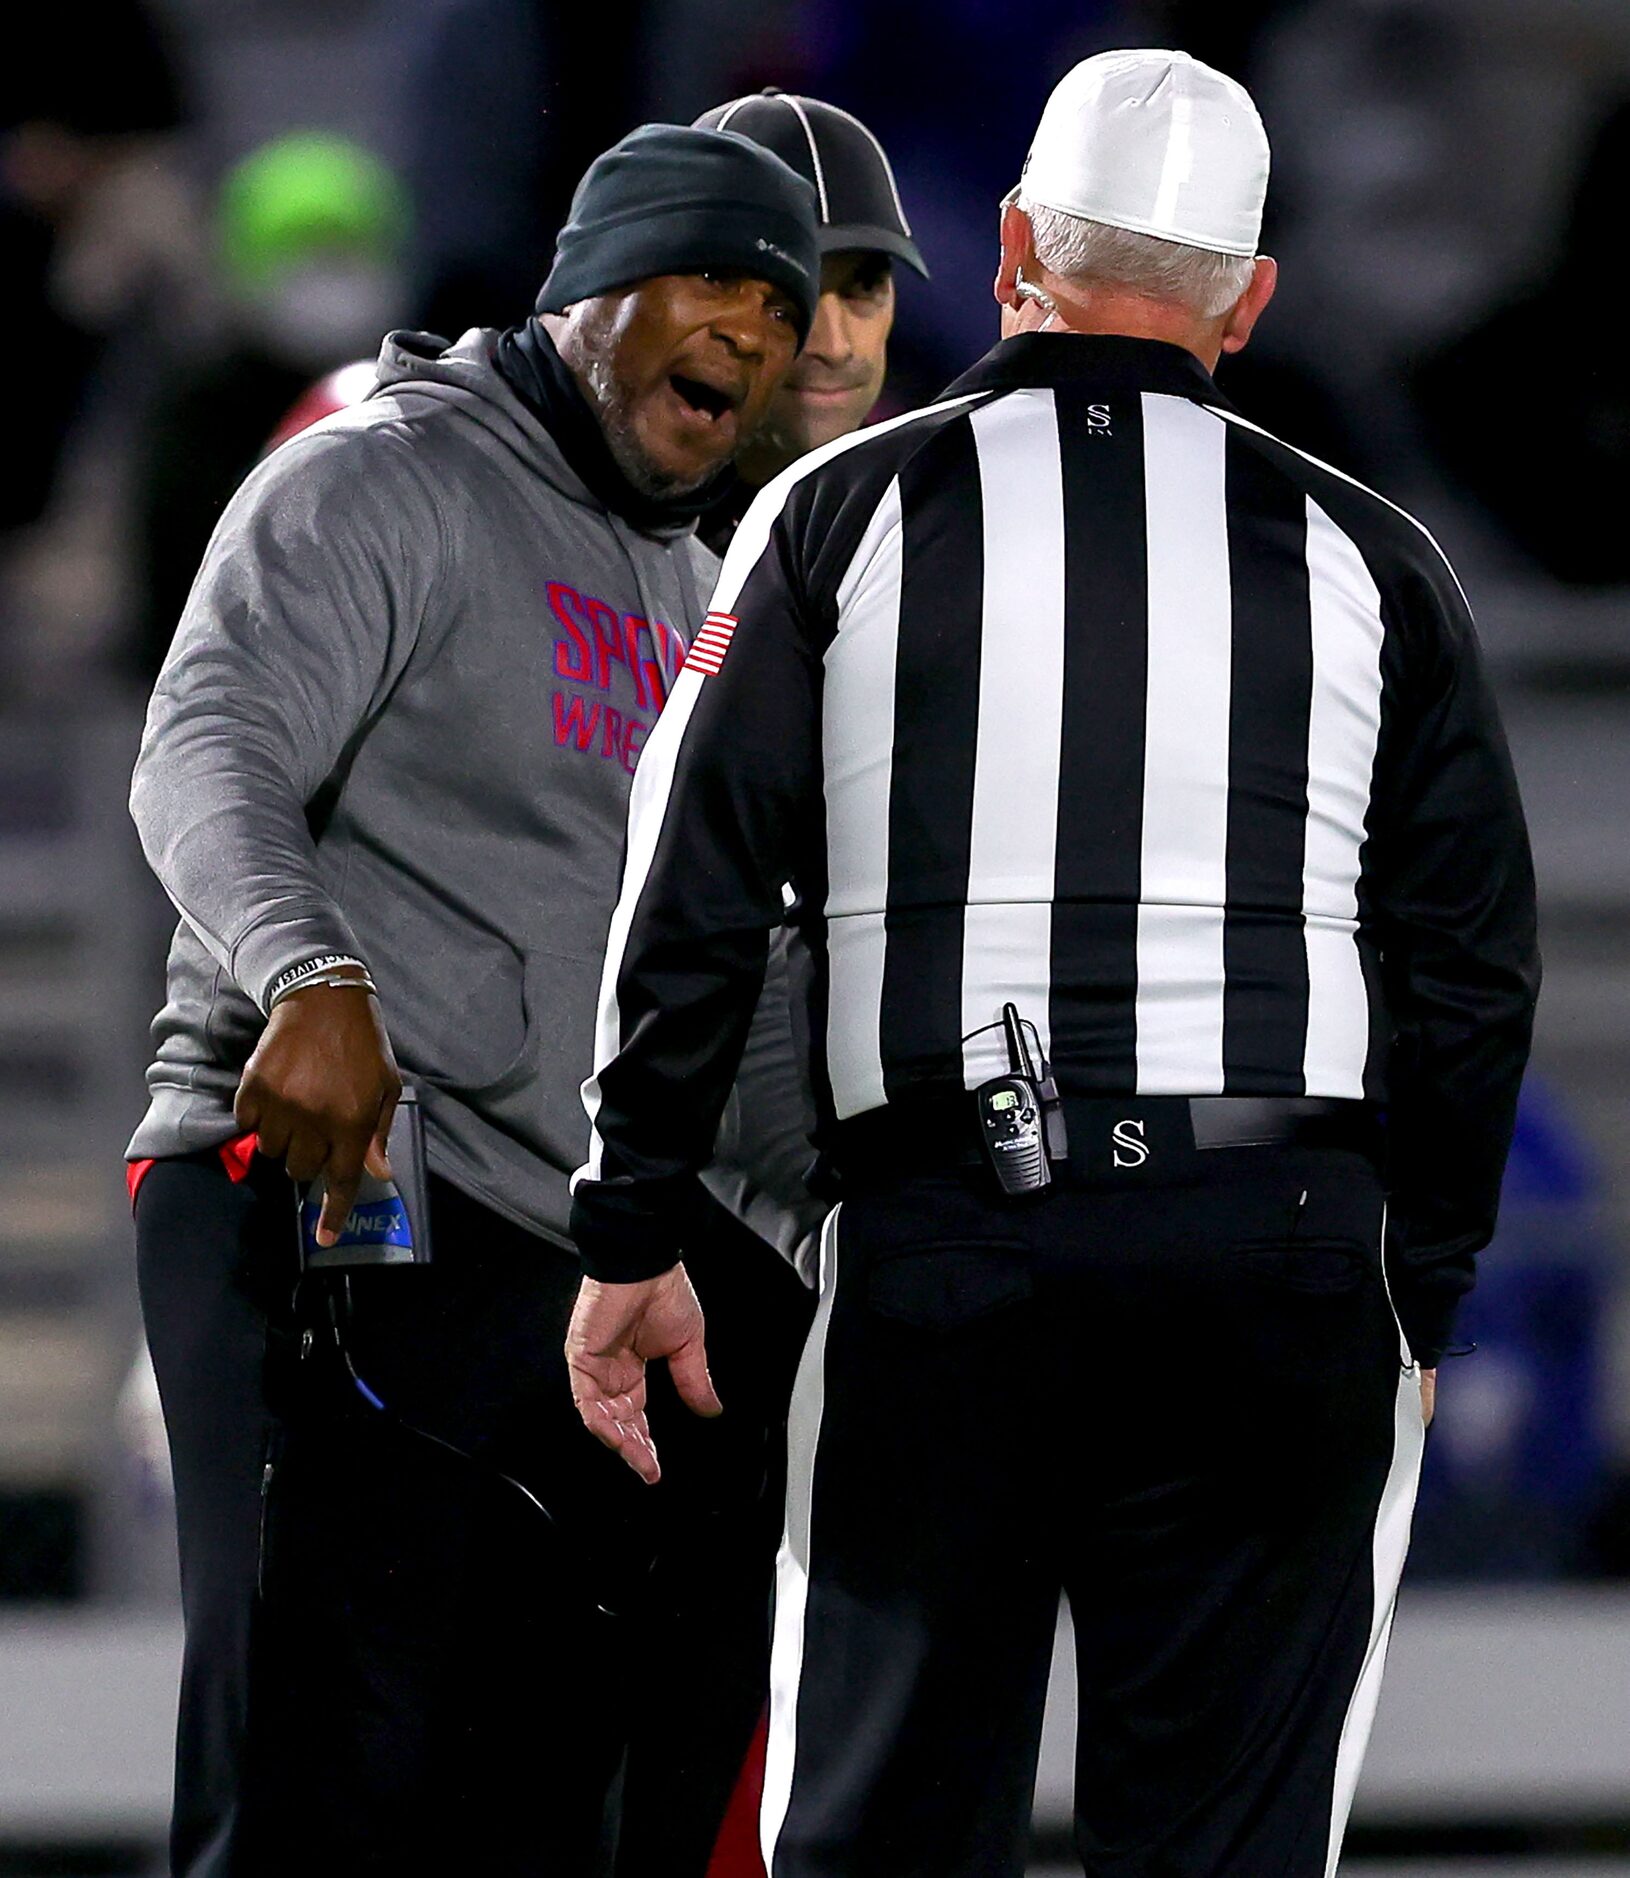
pixel 1155 142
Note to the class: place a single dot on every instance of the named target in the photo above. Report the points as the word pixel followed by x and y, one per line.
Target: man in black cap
pixel 392 747
pixel 830 392
pixel 839 375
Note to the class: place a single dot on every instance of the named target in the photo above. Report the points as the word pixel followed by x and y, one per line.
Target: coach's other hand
pixel 615 1331
pixel 320 1091
pixel 1429 1395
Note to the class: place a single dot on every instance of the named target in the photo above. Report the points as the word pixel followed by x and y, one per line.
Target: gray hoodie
pixel 400 720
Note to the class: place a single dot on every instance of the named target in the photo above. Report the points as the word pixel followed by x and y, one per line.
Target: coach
pixel 1079 697
pixel 392 747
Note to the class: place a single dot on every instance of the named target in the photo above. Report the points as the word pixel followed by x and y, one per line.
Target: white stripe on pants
pixel 792 1562
pixel 1387 1551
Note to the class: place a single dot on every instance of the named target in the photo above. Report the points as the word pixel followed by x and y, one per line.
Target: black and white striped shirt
pixel 1078 690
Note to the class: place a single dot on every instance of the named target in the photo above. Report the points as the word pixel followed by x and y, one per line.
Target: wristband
pixel 332 968
pixel 345 976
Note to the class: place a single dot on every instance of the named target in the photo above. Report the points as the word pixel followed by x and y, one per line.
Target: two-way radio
pixel 1021 1120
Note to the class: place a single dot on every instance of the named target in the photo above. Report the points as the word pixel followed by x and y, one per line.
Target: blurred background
pixel 208 205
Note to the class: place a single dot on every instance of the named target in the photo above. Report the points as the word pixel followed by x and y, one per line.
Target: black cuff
pixel 1427 1279
pixel 623 1237
pixel 1427 1314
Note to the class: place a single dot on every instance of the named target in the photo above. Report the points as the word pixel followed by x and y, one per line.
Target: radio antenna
pixel 1018 1051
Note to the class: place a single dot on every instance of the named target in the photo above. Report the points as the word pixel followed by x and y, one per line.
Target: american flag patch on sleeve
pixel 711 643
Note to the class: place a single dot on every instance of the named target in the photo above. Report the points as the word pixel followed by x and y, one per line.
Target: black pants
pixel 1183 1405
pixel 395 1662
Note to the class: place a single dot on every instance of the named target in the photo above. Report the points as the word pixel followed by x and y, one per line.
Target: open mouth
pixel 706 400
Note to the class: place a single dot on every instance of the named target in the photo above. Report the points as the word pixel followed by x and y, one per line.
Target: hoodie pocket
pixel 561 995
pixel 452 987
pixel 469 1023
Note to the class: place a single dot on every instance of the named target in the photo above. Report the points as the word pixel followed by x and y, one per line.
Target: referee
pixel 1118 749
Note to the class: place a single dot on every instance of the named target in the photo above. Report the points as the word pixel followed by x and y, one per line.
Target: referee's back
pixel 1125 711
pixel 1140 718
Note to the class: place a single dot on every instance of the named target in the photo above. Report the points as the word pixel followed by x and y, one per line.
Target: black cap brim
pixel 872 240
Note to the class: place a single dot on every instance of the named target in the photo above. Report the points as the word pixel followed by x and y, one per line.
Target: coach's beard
pixel 614 405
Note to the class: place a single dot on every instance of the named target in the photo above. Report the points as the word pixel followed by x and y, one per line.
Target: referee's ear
pixel 1248 309
pixel 1018 254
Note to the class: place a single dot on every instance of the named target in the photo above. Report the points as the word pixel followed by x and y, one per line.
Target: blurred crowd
pixel 1446 182
pixel 208 205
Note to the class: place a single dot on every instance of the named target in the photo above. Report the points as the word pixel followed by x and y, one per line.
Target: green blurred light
pixel 303 194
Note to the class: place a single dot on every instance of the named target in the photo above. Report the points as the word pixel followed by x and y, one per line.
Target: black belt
pixel 1118 1138
pixel 1270 1121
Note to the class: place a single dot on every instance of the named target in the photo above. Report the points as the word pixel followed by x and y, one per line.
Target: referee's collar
pixel 1113 360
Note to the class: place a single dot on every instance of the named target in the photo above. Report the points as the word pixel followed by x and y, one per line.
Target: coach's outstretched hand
pixel 615 1331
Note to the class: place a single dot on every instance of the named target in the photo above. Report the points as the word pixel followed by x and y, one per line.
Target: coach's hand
pixel 1429 1395
pixel 615 1331
pixel 319 1092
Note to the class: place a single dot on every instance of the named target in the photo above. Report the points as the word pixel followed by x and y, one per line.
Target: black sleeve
pixel 726 802
pixel 1452 897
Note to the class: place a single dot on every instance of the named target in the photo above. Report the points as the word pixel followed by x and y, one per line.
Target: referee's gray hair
pixel 1198 279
